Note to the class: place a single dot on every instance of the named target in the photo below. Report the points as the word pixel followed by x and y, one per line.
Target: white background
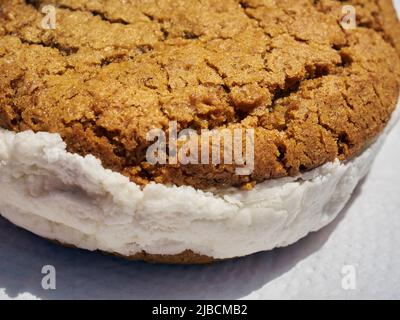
pixel 366 235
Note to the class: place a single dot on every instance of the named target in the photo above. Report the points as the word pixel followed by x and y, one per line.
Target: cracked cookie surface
pixel 113 70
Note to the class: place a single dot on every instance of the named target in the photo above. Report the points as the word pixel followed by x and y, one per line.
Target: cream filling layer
pixel 75 200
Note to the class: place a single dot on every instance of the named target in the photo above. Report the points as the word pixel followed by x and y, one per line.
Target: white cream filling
pixel 75 200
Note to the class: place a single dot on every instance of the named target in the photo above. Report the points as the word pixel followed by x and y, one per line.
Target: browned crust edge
pixel 187 257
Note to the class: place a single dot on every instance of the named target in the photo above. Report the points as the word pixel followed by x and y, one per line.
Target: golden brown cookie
pixel 111 71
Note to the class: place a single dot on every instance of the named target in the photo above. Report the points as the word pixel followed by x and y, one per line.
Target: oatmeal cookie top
pixel 110 71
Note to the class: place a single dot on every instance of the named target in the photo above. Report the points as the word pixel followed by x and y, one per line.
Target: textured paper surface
pixel 365 236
